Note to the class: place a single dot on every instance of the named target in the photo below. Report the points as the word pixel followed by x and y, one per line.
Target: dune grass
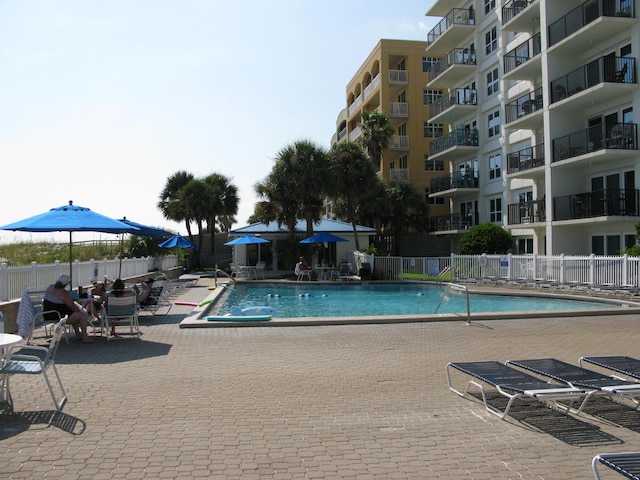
pixel 24 253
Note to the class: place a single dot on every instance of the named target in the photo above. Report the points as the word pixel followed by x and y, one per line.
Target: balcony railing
pixel 458 96
pixel 355 133
pixel 342 133
pixel 454 221
pixel 398 76
pixel 399 174
pixel 398 109
pixel 609 202
pixel 522 53
pixel 399 142
pixel 524 105
pixel 458 137
pixel 586 13
pixel 355 105
pixel 603 69
pixel 513 8
pixel 457 56
pixel 369 89
pixel 525 159
pixel 526 212
pixel 466 179
pixel 457 16
pixel 621 136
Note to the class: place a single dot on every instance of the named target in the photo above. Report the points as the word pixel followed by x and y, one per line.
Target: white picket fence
pixel 588 270
pixel 36 277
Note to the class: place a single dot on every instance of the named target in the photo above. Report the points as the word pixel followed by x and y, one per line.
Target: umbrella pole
pixel 71 257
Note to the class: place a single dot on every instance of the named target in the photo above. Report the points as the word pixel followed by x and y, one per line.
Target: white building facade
pixel 540 109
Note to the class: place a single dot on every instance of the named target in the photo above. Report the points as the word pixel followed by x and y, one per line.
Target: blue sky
pixel 102 100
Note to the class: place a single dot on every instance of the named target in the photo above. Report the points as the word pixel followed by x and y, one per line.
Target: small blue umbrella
pixel 177 241
pixel 323 237
pixel 247 240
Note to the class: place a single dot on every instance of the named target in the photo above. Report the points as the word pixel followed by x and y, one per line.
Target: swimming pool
pixel 373 299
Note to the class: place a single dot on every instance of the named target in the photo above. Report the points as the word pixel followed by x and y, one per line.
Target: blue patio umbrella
pixel 70 218
pixel 145 230
pixel 324 237
pixel 247 240
pixel 177 241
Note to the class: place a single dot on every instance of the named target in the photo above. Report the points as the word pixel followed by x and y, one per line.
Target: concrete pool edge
pixel 619 307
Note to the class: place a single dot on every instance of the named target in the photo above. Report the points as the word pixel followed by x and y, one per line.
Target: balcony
pixel 399 174
pixel 355 134
pixel 525 159
pixel 457 104
pixel 525 111
pixel 518 63
pixel 398 109
pixel 600 203
pixel 454 181
pixel 526 212
pixel 372 87
pixel 458 141
pixel 521 16
pixel 591 23
pixel 353 108
pixel 452 222
pixel 604 78
pixel 399 142
pixel 457 65
pixel 619 139
pixel 453 29
pixel 398 77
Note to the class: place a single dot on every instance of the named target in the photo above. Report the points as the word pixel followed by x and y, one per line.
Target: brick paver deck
pixel 317 402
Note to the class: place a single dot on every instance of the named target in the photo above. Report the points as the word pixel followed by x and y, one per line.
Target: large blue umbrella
pixel 145 230
pixel 70 218
pixel 177 241
pixel 323 237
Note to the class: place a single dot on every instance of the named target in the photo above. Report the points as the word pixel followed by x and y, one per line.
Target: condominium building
pixel 393 80
pixel 539 103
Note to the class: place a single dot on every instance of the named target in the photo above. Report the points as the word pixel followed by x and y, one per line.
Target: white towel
pixel 26 314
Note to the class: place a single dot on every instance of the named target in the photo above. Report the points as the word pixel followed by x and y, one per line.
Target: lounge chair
pixel 578 377
pixel 515 384
pixel 620 365
pixel 626 464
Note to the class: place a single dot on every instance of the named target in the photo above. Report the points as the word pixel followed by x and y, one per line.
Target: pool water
pixel 344 299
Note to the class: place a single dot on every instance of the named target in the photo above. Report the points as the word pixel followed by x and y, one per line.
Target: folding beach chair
pixel 578 377
pixel 625 368
pixel 626 464
pixel 515 384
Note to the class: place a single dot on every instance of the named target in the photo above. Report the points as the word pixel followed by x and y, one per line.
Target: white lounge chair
pixel 121 306
pixel 626 464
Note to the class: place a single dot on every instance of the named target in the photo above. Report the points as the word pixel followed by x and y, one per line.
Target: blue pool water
pixel 344 299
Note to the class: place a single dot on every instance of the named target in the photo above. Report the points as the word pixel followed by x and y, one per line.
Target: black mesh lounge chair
pixel 626 464
pixel 515 384
pixel 626 368
pixel 578 377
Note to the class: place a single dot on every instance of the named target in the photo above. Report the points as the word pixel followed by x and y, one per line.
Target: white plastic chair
pixel 120 306
pixel 301 273
pixel 260 266
pixel 38 362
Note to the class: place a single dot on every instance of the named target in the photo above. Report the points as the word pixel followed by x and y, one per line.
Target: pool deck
pixel 313 402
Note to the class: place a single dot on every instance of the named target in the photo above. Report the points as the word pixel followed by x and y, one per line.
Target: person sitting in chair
pixel 58 298
pixel 302 267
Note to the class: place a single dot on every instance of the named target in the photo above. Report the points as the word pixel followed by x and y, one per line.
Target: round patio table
pixel 6 340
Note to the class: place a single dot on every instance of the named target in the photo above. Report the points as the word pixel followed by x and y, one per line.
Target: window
pixel 433 165
pixel 605 245
pixel 493 120
pixel 495 166
pixel 493 85
pixel 491 40
pixel 495 210
pixel 433 200
pixel 489 5
pixel 428 62
pixel 431 96
pixel 525 246
pixel 433 130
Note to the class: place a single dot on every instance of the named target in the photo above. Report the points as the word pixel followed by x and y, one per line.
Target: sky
pixel 102 100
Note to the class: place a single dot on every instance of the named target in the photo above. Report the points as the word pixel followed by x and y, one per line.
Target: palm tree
pixel 171 202
pixel 353 179
pixel 376 134
pixel 409 210
pixel 222 199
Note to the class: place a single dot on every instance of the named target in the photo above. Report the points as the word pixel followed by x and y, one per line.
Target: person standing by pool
pixel 58 298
